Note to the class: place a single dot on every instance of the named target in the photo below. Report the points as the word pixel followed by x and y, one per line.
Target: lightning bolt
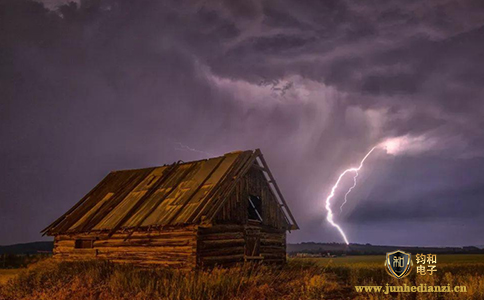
pixel 349 191
pixel 329 216
pixel 187 148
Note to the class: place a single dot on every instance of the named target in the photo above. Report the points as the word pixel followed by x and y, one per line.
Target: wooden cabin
pixel 217 211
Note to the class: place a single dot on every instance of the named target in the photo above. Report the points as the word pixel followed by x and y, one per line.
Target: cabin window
pixel 255 208
pixel 83 244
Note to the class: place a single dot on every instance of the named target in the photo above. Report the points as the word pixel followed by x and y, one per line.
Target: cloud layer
pixel 103 85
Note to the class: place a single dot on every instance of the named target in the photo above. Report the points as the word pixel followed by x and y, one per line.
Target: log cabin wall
pixel 175 247
pixel 235 210
pixel 273 245
pixel 226 242
pixel 222 244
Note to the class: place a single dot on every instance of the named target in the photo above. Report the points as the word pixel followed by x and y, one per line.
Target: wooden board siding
pixel 183 248
pixel 273 245
pixel 220 245
pixel 235 209
pixel 225 245
pixel 226 241
pixel 174 247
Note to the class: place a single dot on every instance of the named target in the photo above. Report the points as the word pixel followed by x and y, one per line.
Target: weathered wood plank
pixel 143 256
pixel 180 249
pixel 221 252
pixel 221 260
pixel 145 243
pixel 222 236
pixel 221 243
pixel 219 228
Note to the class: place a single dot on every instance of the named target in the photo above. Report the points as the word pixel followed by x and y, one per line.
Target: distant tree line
pixel 13 261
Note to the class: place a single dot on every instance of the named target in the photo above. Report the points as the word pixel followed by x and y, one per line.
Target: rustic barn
pixel 217 211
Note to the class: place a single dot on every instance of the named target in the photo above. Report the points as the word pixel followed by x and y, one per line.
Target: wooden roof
pixel 177 194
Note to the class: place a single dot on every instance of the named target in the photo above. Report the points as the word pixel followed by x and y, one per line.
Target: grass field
pixel 6 274
pixel 319 278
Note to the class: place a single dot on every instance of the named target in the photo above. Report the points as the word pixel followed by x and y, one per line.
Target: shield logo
pixel 398 263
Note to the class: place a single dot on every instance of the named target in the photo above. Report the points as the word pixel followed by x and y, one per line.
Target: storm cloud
pixel 95 86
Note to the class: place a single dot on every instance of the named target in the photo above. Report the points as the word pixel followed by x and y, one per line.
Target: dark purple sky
pixel 119 84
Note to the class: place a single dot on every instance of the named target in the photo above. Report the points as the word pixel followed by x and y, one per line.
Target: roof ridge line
pixel 180 162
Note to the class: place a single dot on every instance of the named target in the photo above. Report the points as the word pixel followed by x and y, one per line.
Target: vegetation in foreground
pixel 299 279
pixel 15 261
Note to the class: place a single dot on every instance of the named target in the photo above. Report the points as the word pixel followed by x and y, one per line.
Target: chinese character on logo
pixel 421 270
pixel 431 269
pixel 431 258
pixel 398 261
pixel 422 259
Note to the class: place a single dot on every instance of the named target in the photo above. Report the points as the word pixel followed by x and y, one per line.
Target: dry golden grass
pixel 104 280
pixel 7 274
pixel 300 279
pixel 462 270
